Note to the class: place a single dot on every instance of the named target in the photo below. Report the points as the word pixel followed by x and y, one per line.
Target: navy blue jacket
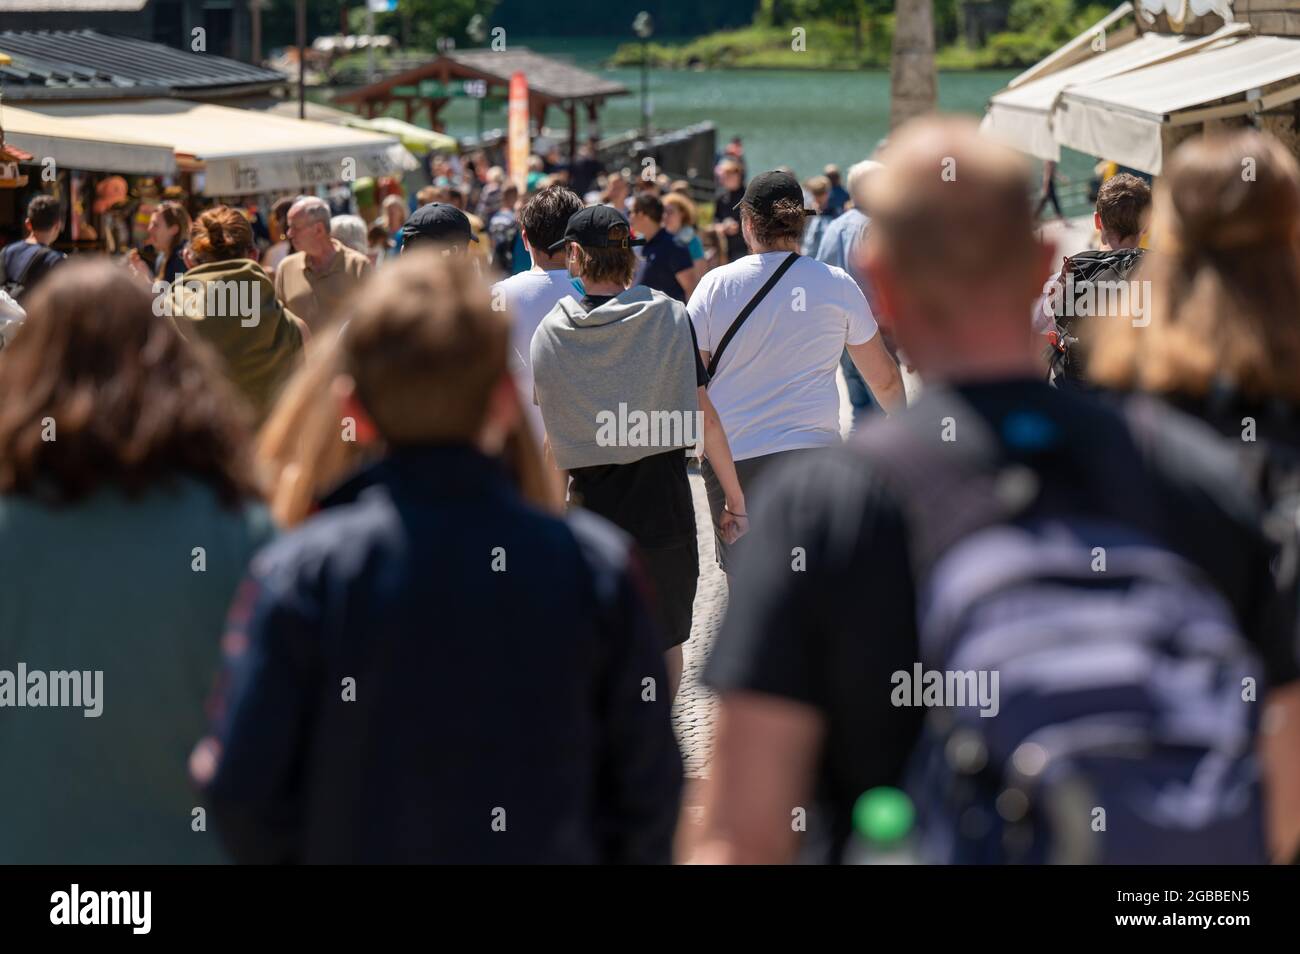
pixel 500 710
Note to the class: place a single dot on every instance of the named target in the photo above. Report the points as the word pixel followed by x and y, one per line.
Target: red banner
pixel 518 125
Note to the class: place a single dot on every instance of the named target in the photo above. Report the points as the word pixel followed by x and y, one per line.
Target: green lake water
pixel 798 119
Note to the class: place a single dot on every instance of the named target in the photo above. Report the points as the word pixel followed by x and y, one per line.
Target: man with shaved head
pixel 839 598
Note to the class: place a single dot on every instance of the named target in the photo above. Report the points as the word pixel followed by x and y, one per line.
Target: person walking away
pixel 840 246
pixel 128 513
pixel 314 281
pixel 822 674
pixel 587 168
pixel 664 264
pixel 23 264
pixel 380 601
pixel 440 226
pixel 1048 194
pixel 819 188
pixel 1217 338
pixel 503 233
pixel 529 296
pixel 771 328
pixel 622 354
pixel 1090 282
pixel 229 302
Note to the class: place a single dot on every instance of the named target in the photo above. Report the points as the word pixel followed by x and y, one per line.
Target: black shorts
pixel 674 573
pixel 747 472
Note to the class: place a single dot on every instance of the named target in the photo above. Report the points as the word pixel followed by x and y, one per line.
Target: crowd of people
pixel 381 538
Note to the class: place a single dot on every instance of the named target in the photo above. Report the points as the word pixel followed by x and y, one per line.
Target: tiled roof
pixel 554 78
pixel 74 64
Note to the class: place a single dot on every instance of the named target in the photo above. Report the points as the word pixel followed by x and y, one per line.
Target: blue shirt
pixel 473 687
pixel 661 260
pixel 839 245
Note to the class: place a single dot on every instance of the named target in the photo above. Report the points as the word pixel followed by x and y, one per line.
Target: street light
pixel 644 27
pixel 476 30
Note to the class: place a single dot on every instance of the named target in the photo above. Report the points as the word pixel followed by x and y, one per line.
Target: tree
pixel 913 87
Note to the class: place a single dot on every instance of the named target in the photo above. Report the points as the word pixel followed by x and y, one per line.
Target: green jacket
pixel 244 321
pixel 137 590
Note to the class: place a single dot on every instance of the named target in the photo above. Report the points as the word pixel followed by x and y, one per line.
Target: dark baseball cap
pixel 590 227
pixel 437 222
pixel 768 188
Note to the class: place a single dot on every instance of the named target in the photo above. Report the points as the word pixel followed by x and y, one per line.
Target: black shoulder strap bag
pixel 748 310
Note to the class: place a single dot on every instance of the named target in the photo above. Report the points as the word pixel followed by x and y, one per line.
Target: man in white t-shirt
pixel 774 381
pixel 529 296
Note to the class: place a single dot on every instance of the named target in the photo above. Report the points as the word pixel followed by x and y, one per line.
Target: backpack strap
pixel 37 254
pixel 748 310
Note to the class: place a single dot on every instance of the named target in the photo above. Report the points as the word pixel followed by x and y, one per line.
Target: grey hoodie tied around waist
pixel 629 362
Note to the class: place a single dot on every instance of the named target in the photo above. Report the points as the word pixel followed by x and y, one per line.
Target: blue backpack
pixel 1120 730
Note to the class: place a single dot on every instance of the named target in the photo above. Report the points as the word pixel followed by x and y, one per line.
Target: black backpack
pixel 502 233
pixel 1087 280
pixel 16 264
pixel 1115 729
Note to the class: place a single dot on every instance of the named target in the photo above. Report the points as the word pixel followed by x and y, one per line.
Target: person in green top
pixel 128 515
pixel 229 301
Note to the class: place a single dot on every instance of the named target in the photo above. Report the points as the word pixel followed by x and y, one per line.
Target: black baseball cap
pixel 437 222
pixel 590 227
pixel 768 188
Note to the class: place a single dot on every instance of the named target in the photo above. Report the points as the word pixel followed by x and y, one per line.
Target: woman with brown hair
pixel 229 301
pixel 169 230
pixel 127 517
pixel 1211 324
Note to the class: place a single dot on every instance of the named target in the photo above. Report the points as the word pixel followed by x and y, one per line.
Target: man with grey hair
pixel 839 247
pixel 322 271
pixel 351 231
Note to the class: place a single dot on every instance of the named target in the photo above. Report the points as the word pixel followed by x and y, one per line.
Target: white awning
pixel 245 151
pixel 74 145
pixel 1022 116
pixel 1124 118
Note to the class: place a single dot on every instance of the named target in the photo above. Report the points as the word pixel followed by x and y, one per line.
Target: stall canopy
pixel 240 151
pixel 1125 118
pixel 74 145
pixel 415 138
pixel 1023 115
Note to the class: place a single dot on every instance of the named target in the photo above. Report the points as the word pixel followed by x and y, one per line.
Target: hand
pixel 137 264
pixel 733 525
pixel 730 227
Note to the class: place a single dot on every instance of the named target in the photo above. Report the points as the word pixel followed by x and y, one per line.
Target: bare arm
pixel 735 519
pixel 879 369
pixel 763 759
pixel 688 279
pixel 1279 743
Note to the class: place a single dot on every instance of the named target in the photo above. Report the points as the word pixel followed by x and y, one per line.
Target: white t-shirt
pixel 530 296
pixel 775 385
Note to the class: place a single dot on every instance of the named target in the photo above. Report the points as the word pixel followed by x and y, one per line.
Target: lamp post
pixel 476 30
pixel 300 18
pixel 644 27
